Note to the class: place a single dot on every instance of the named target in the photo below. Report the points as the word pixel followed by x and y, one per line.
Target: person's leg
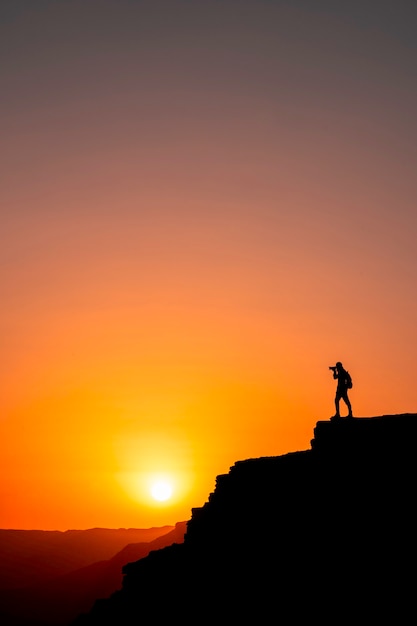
pixel 347 402
pixel 337 405
pixel 349 406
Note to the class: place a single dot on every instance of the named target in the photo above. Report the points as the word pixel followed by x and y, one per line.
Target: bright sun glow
pixel 161 490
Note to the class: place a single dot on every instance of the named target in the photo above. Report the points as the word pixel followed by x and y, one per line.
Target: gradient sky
pixel 204 204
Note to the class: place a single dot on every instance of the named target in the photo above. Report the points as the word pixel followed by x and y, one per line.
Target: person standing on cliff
pixel 344 382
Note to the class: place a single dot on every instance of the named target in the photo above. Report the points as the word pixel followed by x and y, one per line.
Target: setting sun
pixel 161 490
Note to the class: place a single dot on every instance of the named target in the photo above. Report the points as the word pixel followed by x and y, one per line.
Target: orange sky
pixel 201 210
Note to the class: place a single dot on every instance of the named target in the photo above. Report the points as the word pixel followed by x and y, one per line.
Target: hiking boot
pixel 335 417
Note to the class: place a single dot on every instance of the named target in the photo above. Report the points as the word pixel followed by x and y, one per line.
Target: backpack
pixel 349 383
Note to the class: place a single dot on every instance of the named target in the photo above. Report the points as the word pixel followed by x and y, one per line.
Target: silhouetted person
pixel 344 382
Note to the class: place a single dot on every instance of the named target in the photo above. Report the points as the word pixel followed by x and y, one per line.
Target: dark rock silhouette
pixel 324 534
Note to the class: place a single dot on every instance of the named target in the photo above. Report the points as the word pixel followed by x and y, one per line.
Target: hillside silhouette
pixel 61 584
pixel 324 534
pixel 29 557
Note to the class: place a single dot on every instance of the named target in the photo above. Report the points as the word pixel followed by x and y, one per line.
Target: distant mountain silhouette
pixel 31 556
pixel 326 535
pixel 58 600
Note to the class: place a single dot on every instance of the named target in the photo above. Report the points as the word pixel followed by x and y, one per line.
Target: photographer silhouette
pixel 344 382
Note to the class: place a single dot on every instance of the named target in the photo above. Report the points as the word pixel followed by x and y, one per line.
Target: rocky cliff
pixel 326 533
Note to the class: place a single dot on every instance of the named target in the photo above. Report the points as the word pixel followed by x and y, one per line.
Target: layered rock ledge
pixel 322 534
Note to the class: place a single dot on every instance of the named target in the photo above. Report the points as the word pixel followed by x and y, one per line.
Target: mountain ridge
pixel 30 556
pixel 56 600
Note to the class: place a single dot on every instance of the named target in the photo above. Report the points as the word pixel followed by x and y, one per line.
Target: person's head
pixel 339 365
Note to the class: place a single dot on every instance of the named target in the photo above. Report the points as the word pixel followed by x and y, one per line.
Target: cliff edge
pixel 326 533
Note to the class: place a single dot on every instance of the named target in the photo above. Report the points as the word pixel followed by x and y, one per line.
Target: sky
pixel 204 205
